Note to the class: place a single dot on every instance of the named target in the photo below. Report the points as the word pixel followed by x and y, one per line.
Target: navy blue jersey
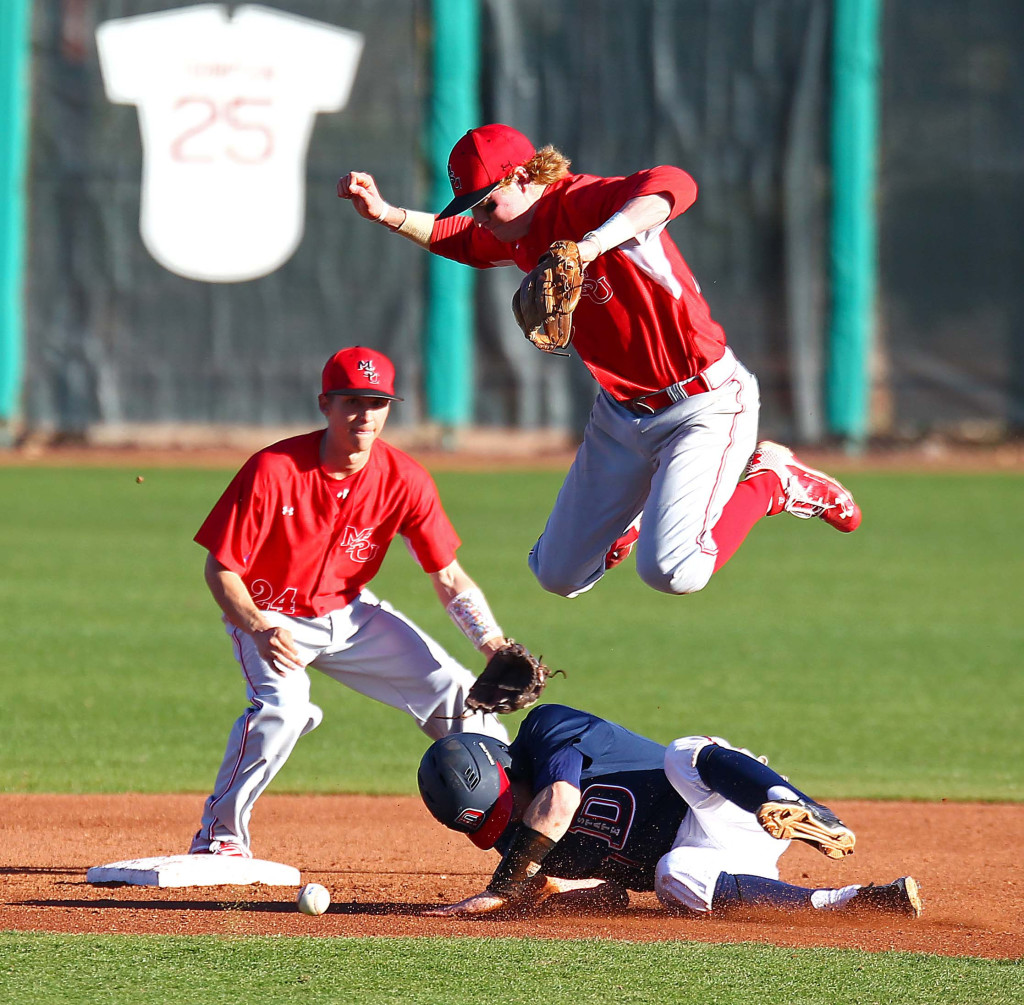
pixel 629 813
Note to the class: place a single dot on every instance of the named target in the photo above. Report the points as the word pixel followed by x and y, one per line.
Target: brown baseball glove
pixel 512 679
pixel 548 295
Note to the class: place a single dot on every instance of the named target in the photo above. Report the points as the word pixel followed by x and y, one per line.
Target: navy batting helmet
pixel 465 786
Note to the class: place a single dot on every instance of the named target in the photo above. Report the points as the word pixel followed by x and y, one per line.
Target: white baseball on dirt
pixel 313 899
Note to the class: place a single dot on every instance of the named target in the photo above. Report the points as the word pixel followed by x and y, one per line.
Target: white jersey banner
pixel 226 109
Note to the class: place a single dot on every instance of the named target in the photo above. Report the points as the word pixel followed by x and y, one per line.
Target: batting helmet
pixel 463 781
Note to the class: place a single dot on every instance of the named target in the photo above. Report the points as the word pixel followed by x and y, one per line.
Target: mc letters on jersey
pixel 358 544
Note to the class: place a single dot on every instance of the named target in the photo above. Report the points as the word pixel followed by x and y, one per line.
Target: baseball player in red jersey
pixel 293 542
pixel 673 432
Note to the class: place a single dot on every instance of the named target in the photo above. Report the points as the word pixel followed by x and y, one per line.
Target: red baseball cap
pixel 483 157
pixel 360 371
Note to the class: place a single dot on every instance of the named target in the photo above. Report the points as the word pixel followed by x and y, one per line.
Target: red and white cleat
pixel 623 547
pixel 803 491
pixel 229 849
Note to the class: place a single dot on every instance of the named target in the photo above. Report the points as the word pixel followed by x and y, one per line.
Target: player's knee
pixel 558 587
pixel 556 580
pixel 296 717
pixel 690 576
pixel 677 890
pixel 681 754
pixel 681 767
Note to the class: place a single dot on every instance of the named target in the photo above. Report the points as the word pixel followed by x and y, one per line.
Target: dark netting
pixel 734 91
pixel 952 216
pixel 113 337
pixel 731 92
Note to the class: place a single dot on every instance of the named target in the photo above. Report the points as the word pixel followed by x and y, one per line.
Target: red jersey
pixel 304 543
pixel 642 323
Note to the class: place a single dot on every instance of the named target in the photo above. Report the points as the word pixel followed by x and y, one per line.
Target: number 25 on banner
pixel 227 103
pixel 245 139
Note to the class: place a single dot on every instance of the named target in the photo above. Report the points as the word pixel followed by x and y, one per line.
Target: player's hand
pixel 491 646
pixel 480 903
pixel 361 190
pixel 277 647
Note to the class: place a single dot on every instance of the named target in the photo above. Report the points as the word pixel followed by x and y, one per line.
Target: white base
pixel 194 870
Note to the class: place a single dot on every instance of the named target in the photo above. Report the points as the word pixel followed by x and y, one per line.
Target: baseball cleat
pixel 802 820
pixel 229 849
pixel 901 896
pixel 623 547
pixel 803 491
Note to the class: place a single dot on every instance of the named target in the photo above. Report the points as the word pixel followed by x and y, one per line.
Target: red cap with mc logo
pixel 357 370
pixel 483 157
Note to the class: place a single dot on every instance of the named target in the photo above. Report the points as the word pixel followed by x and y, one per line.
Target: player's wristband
pixel 527 849
pixel 469 610
pixel 614 231
pixel 385 208
pixel 417 226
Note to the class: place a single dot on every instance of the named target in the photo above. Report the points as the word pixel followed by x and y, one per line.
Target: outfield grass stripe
pixel 885 663
pixel 93 969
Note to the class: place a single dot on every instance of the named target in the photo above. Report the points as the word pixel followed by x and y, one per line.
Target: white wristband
pixel 614 231
pixel 384 210
pixel 470 612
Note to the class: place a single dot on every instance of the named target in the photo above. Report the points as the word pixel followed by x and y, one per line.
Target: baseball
pixel 313 899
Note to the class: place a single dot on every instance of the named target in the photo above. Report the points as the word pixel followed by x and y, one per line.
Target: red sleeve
pixel 232 531
pixel 458 239
pixel 591 200
pixel 426 527
pixel 673 182
pixel 578 203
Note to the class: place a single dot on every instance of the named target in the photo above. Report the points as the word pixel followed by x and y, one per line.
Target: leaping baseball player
pixel 673 433
pixel 580 803
pixel 292 545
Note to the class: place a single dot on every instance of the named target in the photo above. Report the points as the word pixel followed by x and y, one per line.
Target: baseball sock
pixel 758 891
pixel 748 503
pixel 742 779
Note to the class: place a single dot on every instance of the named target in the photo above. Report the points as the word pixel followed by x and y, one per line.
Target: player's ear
pixel 324 402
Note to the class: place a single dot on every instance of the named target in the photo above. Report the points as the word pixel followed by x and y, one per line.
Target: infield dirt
pixel 385 861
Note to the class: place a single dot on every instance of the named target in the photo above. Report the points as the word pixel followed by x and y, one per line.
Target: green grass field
pixel 88 969
pixel 884 664
pixel 897 648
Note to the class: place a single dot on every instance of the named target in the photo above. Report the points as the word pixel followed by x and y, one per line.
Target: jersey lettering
pixel 606 812
pixel 598 290
pixel 358 544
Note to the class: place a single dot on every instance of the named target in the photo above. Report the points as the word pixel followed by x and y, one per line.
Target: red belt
pixel 648 404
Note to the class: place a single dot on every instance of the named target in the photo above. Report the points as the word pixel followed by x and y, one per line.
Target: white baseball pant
pixel 367 646
pixel 716 836
pixel 678 466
